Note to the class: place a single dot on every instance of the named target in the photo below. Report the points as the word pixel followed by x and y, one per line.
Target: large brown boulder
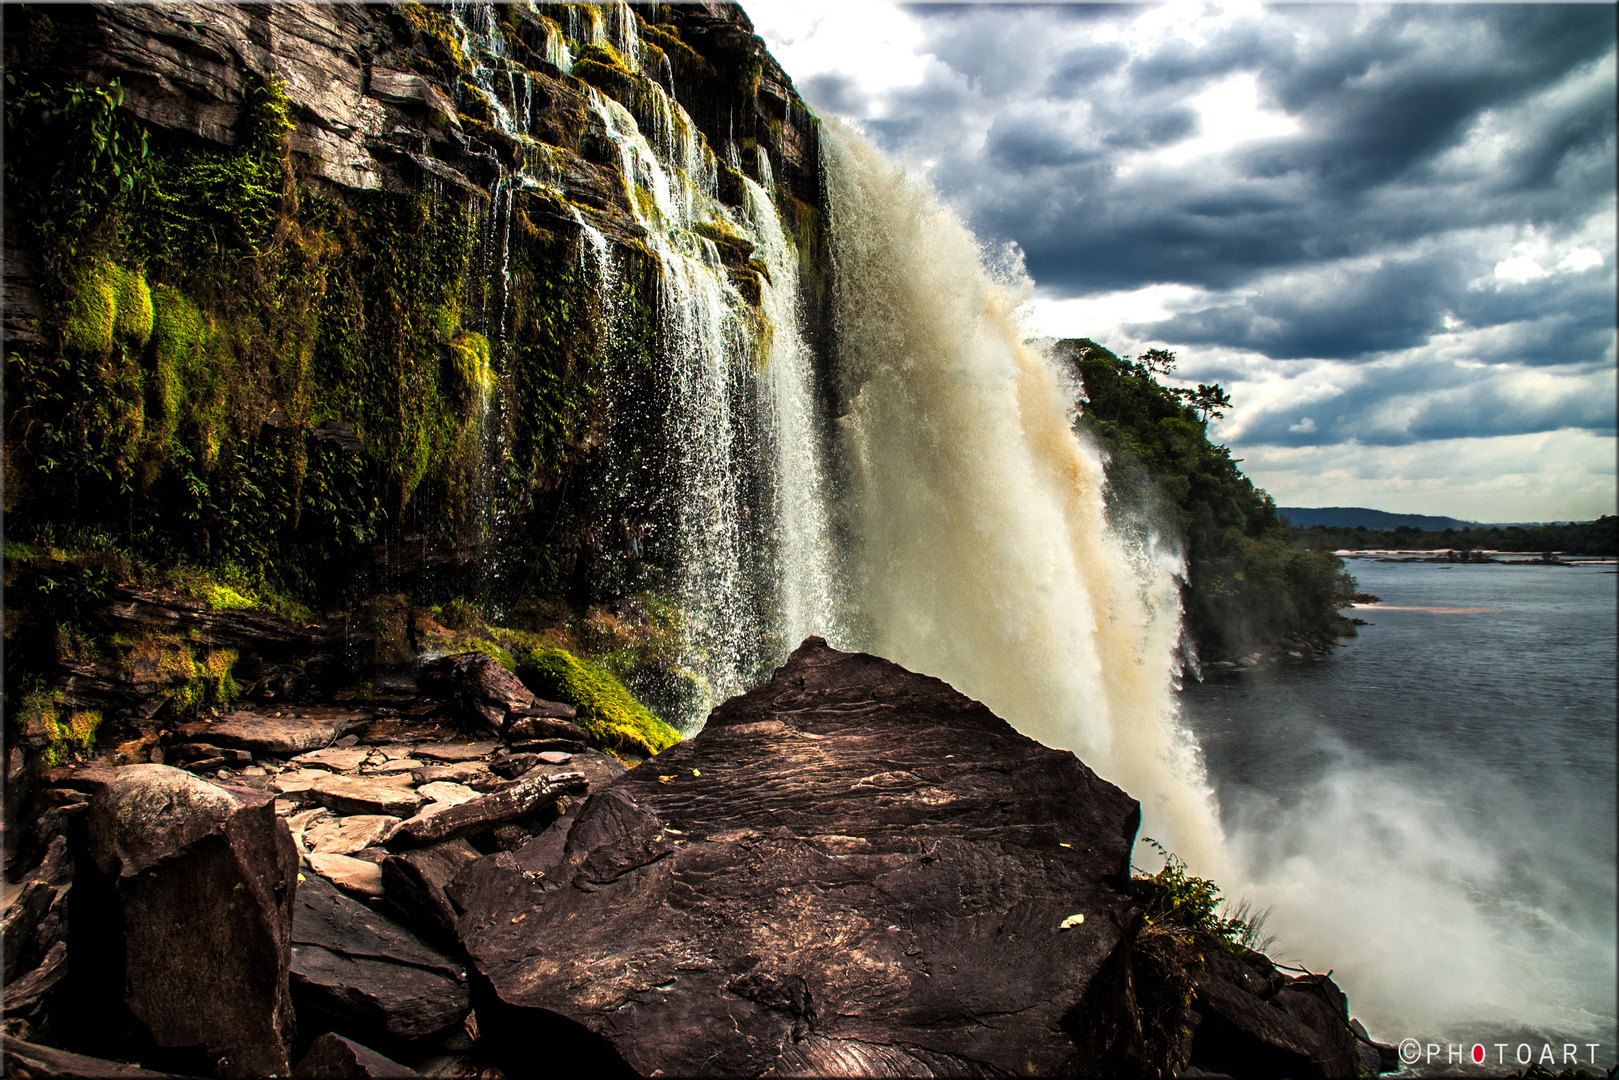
pixel 182 920
pixel 360 974
pixel 485 692
pixel 854 869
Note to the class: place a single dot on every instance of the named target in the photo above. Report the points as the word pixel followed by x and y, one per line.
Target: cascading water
pixel 805 599
pixel 981 551
pixel 751 563
pixel 973 541
pixel 981 555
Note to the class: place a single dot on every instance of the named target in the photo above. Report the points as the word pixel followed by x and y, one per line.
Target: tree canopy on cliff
pixel 1246 585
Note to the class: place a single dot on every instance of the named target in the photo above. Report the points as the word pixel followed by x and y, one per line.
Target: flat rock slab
pixel 362 795
pixel 391 765
pixel 293 732
pixel 445 793
pixel 456 774
pixel 532 793
pixel 452 752
pixel 346 835
pixel 354 876
pixel 336 758
pixel 48 1063
pixel 294 780
pixel 811 886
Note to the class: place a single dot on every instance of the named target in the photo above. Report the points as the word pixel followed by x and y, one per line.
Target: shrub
pixel 1179 900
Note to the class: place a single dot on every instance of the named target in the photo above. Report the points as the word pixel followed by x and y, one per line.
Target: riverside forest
pixel 1599 537
pixel 491 494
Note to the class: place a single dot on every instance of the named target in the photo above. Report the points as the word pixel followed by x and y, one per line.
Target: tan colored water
pixel 981 550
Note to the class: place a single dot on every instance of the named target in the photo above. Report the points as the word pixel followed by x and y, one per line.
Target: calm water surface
pixel 1432 810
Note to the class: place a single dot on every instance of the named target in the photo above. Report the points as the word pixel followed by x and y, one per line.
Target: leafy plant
pixel 1179 899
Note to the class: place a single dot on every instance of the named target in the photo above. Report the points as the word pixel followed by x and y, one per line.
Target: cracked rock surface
pixel 853 867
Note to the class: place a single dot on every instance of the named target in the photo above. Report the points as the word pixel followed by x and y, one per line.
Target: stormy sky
pixel 1388 232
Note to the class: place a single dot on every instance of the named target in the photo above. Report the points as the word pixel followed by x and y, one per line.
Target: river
pixel 1431 810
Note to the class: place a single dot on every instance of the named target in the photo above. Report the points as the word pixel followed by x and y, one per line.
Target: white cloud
pixel 1518 269
pixel 1554 475
pixel 1230 113
pixel 875 45
pixel 1103 316
pixel 1580 258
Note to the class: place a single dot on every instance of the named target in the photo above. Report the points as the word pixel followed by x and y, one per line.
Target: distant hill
pixel 1349 517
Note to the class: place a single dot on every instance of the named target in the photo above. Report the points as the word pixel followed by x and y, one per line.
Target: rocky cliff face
pixel 306 303
pixel 355 368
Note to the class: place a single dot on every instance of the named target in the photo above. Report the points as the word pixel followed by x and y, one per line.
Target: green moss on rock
pixel 472 365
pixel 133 315
pixel 606 709
pixel 60 734
pixel 94 310
pixel 181 335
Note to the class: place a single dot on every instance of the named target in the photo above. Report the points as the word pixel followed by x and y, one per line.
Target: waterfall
pixel 804 561
pixel 977 548
pixel 750 558
pixel 981 552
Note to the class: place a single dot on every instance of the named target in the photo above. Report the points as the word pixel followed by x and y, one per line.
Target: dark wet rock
pixel 812 881
pixel 525 797
pixel 181 913
pixel 511 766
pixel 361 974
pixel 415 882
pixel 123 676
pixel 530 725
pixel 293 731
pixel 23 915
pixel 486 692
pixel 90 777
pixel 540 746
pixel 28 1061
pixel 600 770
pixel 332 1057
pixel 1240 1031
pixel 1249 1027
pixel 1373 1056
pixel 22 995
pixel 509 837
pixel 1317 1003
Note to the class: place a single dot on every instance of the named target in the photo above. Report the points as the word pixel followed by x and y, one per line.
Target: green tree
pixel 1247 586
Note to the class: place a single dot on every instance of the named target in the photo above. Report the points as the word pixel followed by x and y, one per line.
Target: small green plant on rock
pixel 605 708
pixel 1176 898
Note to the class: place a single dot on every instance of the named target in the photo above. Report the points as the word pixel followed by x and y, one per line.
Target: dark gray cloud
pixel 1431 144
pixel 1403 404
